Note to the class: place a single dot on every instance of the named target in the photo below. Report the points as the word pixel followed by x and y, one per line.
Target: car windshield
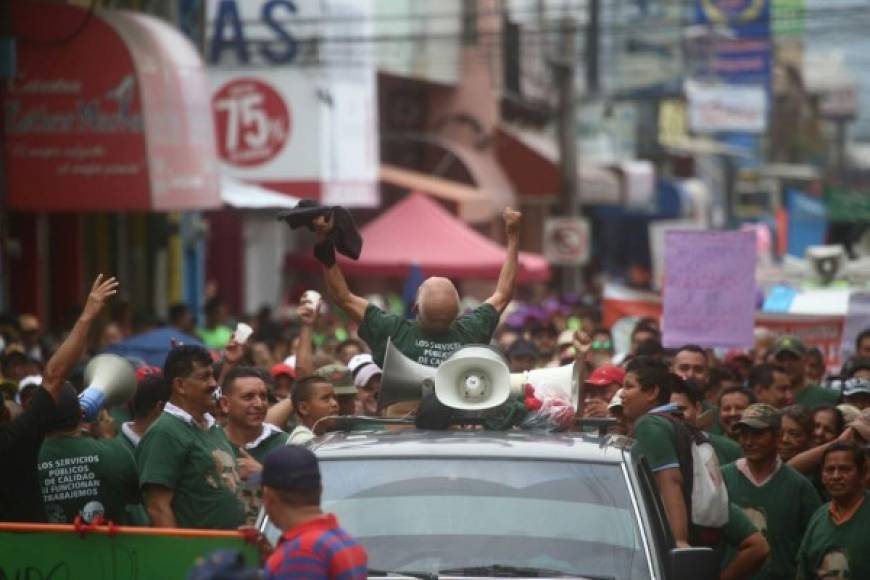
pixel 431 515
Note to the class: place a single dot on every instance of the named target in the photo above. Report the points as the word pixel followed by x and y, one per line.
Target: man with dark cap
pixel 790 353
pixel 779 500
pixel 20 439
pixel 438 330
pixel 312 545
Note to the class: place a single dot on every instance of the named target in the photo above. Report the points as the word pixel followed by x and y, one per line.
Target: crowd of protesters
pixel 190 446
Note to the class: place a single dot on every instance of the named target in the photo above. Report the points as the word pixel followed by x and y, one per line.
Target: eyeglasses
pixel 602 345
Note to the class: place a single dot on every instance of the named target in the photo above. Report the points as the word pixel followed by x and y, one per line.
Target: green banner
pixel 847 205
pixel 68 556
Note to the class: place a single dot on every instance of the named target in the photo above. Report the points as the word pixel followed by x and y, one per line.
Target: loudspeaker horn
pixel 565 378
pixel 111 381
pixel 474 378
pixel 402 379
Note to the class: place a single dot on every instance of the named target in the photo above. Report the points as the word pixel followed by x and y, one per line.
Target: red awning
pixel 109 111
pixel 418 230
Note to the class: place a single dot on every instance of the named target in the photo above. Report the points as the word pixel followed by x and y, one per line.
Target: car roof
pixel 478 444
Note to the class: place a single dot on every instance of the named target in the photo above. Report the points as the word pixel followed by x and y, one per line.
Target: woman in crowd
pixel 796 433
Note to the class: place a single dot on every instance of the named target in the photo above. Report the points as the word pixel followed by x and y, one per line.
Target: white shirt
pixel 176 411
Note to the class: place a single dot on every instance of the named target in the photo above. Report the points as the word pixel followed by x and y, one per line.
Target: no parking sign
pixel 566 241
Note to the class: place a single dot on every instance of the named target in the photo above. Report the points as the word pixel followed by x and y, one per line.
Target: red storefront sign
pixel 252 122
pixel 108 112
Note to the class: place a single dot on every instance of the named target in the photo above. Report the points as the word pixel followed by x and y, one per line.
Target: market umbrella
pixel 152 346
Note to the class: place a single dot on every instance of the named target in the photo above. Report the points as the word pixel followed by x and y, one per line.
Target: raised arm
pixel 507 279
pixel 304 353
pixel 353 305
pixel 73 347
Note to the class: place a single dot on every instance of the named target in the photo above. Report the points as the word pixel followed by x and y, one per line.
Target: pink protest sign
pixel 709 290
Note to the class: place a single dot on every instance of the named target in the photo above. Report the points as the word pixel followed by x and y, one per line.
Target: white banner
pixel 720 108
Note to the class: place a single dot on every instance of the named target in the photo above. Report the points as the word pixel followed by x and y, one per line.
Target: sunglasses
pixel 602 345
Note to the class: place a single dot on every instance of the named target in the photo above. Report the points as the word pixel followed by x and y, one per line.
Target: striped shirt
pixel 317 550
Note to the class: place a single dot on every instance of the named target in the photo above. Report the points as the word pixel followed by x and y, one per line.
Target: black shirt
pixel 20 440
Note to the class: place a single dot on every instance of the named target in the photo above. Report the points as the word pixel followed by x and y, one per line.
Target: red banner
pixel 823 332
pixel 108 112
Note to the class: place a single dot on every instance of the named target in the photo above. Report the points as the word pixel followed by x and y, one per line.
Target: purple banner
pixel 709 289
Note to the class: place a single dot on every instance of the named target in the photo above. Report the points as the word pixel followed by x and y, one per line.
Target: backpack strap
pixel 684 439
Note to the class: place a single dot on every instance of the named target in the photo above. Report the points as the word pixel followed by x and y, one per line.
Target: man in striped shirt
pixel 313 546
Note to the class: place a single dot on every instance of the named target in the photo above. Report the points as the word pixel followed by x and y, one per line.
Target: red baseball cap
pixel 606 375
pixel 282 369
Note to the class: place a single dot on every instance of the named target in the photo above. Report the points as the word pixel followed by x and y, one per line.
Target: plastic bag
pixel 550 409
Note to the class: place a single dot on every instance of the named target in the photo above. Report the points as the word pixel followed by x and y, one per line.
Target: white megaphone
pixel 474 378
pixel 565 378
pixel 111 381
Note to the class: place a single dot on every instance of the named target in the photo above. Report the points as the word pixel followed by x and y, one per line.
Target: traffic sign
pixel 566 241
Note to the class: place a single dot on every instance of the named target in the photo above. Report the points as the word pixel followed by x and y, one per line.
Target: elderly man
pixel 836 544
pixel 437 331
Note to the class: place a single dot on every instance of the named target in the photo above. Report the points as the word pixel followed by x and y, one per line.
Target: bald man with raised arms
pixel 438 329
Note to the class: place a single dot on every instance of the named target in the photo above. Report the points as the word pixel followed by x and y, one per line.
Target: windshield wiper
pixel 405 573
pixel 500 571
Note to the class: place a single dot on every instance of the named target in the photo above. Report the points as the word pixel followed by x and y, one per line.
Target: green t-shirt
pixel 727 450
pixel 199 465
pixel 473 328
pixel 832 551
pixel 215 338
pixel 271 438
pixel 657 441
pixel 814 396
pixel 781 509
pixel 87 477
pixel 735 532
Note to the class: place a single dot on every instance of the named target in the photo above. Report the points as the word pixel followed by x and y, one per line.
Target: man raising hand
pixel 438 329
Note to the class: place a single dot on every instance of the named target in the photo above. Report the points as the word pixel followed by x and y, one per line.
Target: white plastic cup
pixel 243 333
pixel 314 298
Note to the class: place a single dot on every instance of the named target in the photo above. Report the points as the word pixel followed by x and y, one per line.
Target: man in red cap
pixel 599 389
pixel 284 376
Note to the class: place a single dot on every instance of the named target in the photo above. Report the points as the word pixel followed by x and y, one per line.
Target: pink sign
pixel 709 289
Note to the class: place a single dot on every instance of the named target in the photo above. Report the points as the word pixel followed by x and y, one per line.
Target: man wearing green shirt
pixel 778 499
pixel 147 403
pixel 81 476
pixel 215 334
pixel 244 401
pixel 687 396
pixel 836 543
pixel 790 353
pixel 437 331
pixel 187 467
pixel 772 385
pixel 647 390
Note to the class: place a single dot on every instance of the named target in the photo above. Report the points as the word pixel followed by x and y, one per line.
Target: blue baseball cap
pixel 291 468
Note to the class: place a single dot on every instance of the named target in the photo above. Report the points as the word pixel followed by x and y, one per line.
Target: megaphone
pixel 402 378
pixel 565 378
pixel 111 381
pixel 474 378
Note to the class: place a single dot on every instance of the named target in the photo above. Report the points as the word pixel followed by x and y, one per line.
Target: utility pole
pixel 564 67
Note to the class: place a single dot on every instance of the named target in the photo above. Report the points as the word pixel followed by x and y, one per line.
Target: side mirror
pixel 693 564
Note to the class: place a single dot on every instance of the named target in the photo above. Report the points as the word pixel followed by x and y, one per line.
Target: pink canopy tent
pixel 417 230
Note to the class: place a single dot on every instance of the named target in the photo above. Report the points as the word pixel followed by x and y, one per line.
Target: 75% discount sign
pixel 253 123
